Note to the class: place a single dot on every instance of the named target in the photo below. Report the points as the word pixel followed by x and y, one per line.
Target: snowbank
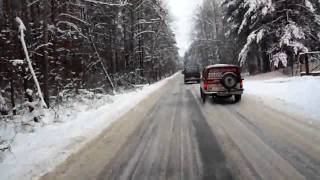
pixel 40 151
pixel 266 76
pixel 302 93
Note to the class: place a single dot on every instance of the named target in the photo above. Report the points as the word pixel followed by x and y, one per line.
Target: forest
pixel 121 89
pixel 74 45
pixel 104 46
pixel 259 35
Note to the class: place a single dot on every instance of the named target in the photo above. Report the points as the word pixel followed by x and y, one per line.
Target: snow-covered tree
pixel 4 109
pixel 272 27
pixel 84 44
pixel 206 46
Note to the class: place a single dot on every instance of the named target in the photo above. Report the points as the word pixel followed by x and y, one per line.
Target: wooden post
pixel 307 64
pixel 292 65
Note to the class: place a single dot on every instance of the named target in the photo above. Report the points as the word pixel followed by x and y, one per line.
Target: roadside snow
pixel 33 154
pixel 301 93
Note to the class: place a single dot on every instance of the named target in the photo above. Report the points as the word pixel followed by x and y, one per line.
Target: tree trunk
pixel 45 55
pixel 140 42
pixel 12 97
pixel 132 55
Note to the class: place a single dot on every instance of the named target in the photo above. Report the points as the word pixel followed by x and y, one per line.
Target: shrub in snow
pixel 4 145
pixel 4 110
pixel 36 112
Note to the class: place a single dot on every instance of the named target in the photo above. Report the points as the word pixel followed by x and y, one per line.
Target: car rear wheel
pixel 237 97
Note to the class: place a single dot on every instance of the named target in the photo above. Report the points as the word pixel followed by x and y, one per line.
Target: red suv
pixel 222 80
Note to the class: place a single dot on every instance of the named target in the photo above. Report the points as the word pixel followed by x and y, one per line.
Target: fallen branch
pixel 22 28
pixel 103 66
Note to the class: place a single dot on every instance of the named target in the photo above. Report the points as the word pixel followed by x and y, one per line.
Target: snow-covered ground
pixel 81 120
pixel 297 95
pixel 35 153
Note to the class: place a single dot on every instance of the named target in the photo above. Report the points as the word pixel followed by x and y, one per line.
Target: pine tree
pixel 273 28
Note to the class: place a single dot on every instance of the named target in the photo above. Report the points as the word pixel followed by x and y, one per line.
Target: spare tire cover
pixel 229 80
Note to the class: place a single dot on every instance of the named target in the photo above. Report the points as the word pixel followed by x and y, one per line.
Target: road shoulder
pixel 88 162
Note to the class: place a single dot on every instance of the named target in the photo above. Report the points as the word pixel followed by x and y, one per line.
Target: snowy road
pixel 172 135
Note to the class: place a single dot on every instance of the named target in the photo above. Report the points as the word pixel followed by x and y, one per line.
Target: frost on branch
pixel 22 27
pixel 244 52
pixel 72 25
pixel 29 92
pixel 16 62
pixel 291 37
pixel 260 35
pixel 121 4
pixel 255 7
pixel 278 58
pixel 309 5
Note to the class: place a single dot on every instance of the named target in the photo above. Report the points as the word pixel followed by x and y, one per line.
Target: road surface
pixel 172 135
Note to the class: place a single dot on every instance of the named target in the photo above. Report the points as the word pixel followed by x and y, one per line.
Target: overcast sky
pixel 182 12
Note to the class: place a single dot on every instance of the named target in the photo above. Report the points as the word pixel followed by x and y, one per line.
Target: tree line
pixel 97 45
pixel 259 35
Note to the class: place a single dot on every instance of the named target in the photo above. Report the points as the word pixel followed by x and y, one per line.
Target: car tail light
pixel 205 85
pixel 241 83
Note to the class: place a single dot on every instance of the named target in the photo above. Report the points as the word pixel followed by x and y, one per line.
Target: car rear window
pixel 192 69
pixel 218 72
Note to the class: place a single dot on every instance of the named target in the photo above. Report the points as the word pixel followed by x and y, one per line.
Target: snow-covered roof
pixel 220 65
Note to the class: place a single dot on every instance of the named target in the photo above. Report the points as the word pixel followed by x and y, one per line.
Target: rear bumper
pixel 192 79
pixel 224 93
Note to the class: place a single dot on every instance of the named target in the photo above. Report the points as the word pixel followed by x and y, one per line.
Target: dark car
pixel 222 80
pixel 191 73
